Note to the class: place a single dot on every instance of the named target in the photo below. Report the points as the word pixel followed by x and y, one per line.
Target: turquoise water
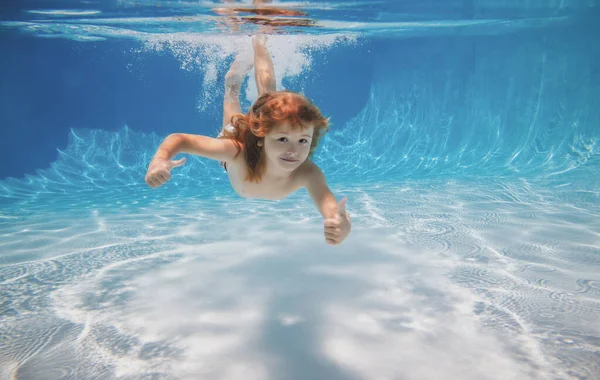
pixel 469 158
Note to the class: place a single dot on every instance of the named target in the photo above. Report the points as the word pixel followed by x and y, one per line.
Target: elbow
pixel 177 139
pixel 175 143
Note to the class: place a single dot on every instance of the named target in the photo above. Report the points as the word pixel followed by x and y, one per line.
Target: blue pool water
pixel 465 135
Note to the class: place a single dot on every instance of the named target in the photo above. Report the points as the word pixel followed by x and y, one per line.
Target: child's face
pixel 286 148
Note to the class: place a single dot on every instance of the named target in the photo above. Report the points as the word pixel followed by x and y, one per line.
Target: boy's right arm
pixel 159 170
pixel 215 149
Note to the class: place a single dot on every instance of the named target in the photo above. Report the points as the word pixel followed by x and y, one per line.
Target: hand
pixel 338 228
pixel 159 171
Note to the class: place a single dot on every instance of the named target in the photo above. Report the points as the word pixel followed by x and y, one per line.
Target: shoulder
pixel 309 174
pixel 231 147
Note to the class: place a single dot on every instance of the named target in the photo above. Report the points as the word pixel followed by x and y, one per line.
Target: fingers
pixel 333 240
pixel 159 172
pixel 164 176
pixel 336 229
pixel 332 231
pixel 331 223
pixel 177 163
pixel 158 179
pixel 332 234
pixel 332 237
pixel 152 182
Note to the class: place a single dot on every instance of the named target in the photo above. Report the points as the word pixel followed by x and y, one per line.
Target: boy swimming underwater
pixel 265 152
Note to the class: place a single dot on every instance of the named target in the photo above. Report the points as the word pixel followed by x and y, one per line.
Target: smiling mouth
pixel 288 160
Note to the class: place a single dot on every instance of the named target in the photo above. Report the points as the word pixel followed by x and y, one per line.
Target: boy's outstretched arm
pixel 159 170
pixel 337 223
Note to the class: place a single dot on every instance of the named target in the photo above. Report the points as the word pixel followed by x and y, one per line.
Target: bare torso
pixel 267 188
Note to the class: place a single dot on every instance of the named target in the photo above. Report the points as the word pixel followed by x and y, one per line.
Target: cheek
pixel 273 149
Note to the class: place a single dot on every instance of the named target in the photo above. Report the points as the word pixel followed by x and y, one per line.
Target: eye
pixel 282 139
pixel 303 141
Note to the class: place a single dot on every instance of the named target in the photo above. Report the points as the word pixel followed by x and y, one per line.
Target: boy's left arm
pixel 337 224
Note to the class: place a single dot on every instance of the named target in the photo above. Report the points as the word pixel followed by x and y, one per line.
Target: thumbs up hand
pixel 338 228
pixel 159 171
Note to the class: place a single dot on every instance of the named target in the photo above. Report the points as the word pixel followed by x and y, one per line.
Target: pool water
pixel 464 134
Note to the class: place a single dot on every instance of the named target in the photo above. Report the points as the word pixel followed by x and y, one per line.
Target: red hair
pixel 267 112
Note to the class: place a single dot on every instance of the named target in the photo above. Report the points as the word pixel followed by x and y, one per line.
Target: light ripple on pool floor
pixel 181 288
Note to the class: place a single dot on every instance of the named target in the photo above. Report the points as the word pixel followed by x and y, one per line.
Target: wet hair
pixel 269 111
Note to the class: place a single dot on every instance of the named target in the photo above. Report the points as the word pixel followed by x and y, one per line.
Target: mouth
pixel 288 159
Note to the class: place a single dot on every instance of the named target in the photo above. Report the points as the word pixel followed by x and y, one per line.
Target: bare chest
pixel 265 189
